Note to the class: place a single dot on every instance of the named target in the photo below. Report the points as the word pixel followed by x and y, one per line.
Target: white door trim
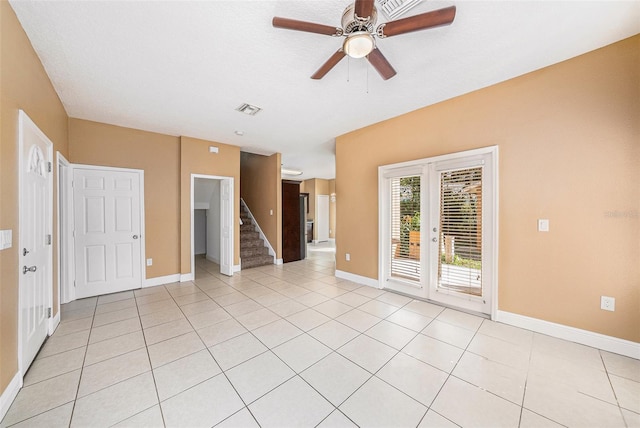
pixel 416 167
pixel 143 230
pixel 25 120
pixel 191 276
pixel 66 272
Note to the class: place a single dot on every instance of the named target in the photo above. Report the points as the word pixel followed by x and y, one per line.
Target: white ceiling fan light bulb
pixel 358 44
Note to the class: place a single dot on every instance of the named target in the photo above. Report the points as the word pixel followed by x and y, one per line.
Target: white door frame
pixel 66 271
pixel 25 120
pixel 192 274
pixel 70 288
pixel 384 221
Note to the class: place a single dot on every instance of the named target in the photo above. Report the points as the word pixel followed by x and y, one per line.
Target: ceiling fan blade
pixel 327 66
pixel 310 27
pixel 423 21
pixel 380 63
pixel 364 8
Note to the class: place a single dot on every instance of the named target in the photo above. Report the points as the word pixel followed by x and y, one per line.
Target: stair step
pixel 254 251
pixel 247 227
pixel 244 236
pixel 255 261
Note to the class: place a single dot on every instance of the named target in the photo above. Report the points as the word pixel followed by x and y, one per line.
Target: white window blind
pixel 460 243
pixel 405 228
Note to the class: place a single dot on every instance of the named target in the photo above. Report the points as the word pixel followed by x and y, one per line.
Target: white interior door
pixel 108 230
pixel 36 273
pixel 226 227
pixel 322 217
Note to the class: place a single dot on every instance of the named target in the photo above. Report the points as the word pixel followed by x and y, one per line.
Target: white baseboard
pixel 278 261
pixel 213 259
pixel 9 394
pixel 53 323
pixel 584 337
pixel 237 268
pixel 186 277
pixel 358 279
pixel 161 280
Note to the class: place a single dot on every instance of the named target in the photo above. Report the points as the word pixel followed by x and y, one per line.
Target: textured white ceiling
pixel 182 67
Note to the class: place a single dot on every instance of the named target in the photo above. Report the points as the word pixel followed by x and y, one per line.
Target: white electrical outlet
pixel 149 262
pixel 608 303
pixel 348 257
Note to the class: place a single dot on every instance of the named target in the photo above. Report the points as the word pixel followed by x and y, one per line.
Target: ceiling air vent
pixel 395 8
pixel 249 109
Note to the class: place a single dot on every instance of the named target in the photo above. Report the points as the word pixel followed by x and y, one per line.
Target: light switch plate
pixel 543 225
pixel 6 239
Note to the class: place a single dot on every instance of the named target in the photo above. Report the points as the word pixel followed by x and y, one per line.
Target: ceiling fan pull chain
pixel 368 79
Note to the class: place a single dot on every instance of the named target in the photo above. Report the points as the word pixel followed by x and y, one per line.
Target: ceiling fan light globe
pixel 358 44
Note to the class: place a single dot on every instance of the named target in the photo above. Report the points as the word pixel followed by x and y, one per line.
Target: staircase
pixel 253 253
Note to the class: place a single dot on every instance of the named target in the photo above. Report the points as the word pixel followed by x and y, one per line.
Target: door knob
pixel 135 236
pixel 28 269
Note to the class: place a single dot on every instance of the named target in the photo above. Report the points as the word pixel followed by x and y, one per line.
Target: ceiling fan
pixel 358 21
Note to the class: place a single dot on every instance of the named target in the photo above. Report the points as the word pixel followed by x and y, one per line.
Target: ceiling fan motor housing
pixel 352 23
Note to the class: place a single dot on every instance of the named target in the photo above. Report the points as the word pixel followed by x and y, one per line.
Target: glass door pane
pixel 405 229
pixel 460 231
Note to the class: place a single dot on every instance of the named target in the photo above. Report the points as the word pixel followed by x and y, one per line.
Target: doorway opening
pixel 212 224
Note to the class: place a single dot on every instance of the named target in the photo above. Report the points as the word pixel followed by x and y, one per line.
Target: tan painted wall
pixel 196 159
pixel 261 189
pixel 23 85
pixel 569 141
pixel 332 209
pixel 158 155
pixel 322 186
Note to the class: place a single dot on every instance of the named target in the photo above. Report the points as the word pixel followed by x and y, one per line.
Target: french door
pixel 437 229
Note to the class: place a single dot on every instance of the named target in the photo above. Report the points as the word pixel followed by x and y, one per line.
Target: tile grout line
pixel 153 376
pixel 75 400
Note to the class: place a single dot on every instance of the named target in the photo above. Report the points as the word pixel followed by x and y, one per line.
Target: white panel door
pixel 107 217
pixel 322 217
pixel 36 274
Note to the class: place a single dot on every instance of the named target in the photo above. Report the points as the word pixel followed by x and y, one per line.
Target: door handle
pixel 135 236
pixel 28 269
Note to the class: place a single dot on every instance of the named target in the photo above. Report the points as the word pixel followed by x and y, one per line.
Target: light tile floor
pixel 292 345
